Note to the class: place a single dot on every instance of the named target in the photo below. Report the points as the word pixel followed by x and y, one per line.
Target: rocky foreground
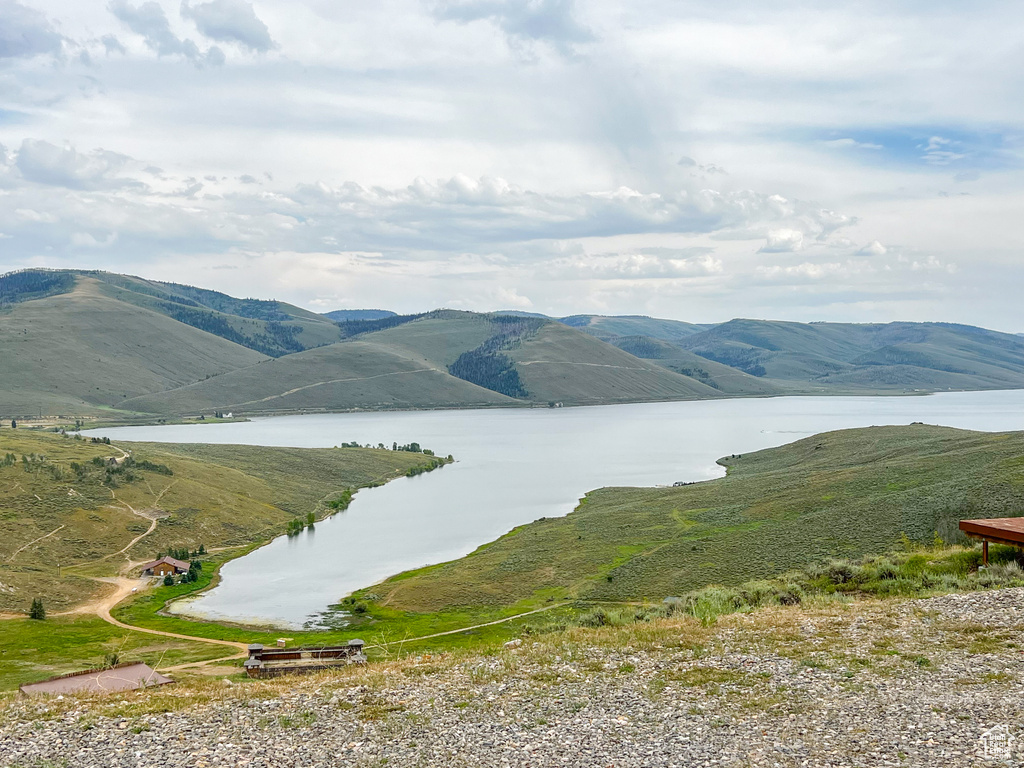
pixel 934 682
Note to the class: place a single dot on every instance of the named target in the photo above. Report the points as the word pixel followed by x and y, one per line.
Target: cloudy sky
pixel 694 160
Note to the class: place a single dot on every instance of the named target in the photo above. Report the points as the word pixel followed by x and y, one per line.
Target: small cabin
pixel 165 566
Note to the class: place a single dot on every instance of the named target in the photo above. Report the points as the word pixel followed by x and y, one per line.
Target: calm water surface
pixel 512 467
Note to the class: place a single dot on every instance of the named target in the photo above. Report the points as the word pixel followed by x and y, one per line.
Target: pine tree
pixel 37 611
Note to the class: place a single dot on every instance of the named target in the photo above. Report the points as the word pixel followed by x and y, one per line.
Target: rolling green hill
pixel 558 363
pixel 609 327
pixel 65 503
pixel 840 494
pixel 443 359
pixel 88 344
pixel 345 315
pixel 723 378
pixel 353 374
pixel 845 356
pixel 75 351
pixel 82 342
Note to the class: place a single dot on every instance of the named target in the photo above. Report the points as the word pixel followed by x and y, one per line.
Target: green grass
pixel 392 631
pixel 841 494
pixel 35 650
pixel 358 373
pixel 215 495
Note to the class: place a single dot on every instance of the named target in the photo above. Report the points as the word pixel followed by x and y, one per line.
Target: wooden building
pixel 271 662
pixel 165 566
pixel 123 677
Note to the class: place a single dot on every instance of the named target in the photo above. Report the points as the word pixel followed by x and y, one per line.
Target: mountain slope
pixel 561 364
pixel 837 356
pixel 723 378
pixel 442 359
pixel 343 376
pixel 77 342
pixel 609 327
pixel 83 346
pixel 345 315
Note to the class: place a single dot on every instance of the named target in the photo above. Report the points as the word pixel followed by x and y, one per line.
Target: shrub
pixel 839 572
pixel 791 594
pixel 598 617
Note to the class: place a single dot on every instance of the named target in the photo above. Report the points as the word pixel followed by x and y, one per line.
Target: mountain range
pixel 89 343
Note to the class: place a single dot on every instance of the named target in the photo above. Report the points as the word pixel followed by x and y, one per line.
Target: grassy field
pixel 840 494
pixel 35 650
pixel 66 504
pixel 59 507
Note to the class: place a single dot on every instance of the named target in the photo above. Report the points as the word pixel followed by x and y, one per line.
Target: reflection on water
pixel 514 466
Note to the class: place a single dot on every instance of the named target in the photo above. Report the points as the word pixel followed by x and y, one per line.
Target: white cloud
pixel 112 45
pixel 783 241
pixel 88 240
pixel 552 21
pixel 851 144
pixel 36 217
pixel 874 248
pixel 939 151
pixel 150 21
pixel 232 21
pixel 25 32
pixel 632 266
pixel 581 137
pixel 44 163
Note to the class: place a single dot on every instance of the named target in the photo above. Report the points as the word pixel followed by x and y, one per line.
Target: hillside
pixel 74 351
pixel 443 359
pixel 838 356
pixel 725 379
pixel 557 363
pixel 96 345
pixel 842 494
pixel 62 502
pixel 609 327
pixel 346 315
pixel 83 342
pixel 270 327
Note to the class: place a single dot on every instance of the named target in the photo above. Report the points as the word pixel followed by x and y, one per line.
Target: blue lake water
pixel 513 466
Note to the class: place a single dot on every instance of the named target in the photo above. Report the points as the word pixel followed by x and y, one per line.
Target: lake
pixel 513 466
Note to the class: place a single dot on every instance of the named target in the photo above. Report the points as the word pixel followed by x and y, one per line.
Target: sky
pixel 795 160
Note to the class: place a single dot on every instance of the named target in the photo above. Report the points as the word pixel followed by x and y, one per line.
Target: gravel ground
pixel 913 683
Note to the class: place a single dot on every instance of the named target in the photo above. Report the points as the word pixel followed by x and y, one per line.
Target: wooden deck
pixel 998 530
